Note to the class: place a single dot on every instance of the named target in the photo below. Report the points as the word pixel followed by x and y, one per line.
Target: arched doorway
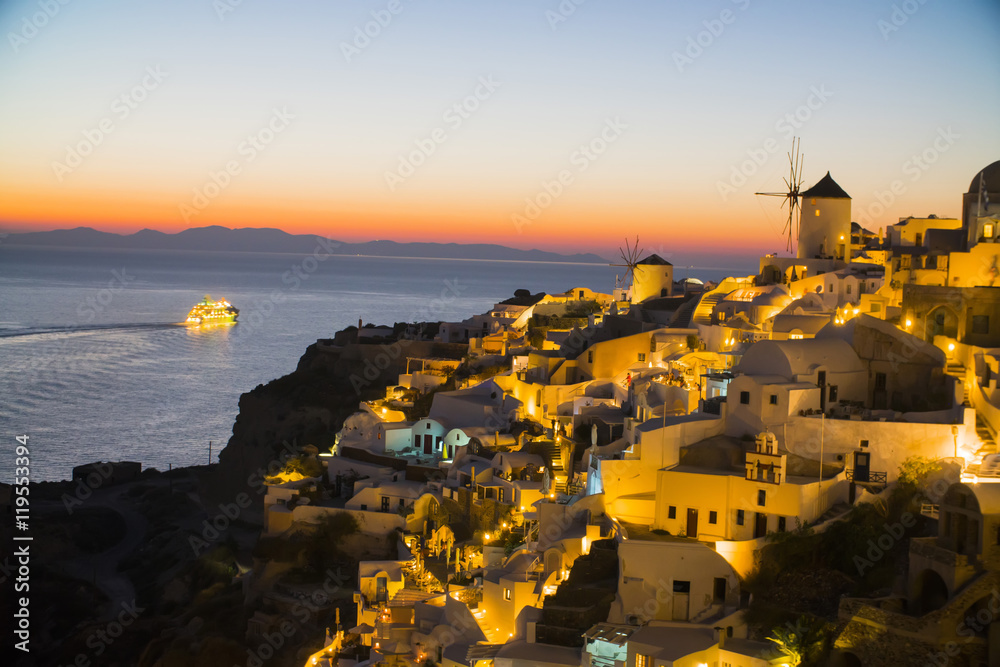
pixel 930 592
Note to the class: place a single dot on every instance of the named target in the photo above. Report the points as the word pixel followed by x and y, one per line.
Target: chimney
pixel 722 637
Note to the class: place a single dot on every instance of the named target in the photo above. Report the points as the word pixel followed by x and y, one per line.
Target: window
pixel 580 293
pixel 781 524
pixel 761 498
pixel 590 356
pixel 401 502
pixel 642 356
pixel 385 503
pixel 831 287
pixel 980 324
pixel 740 517
pixel 427 426
pixel 364 507
pixel 500 495
pixel 745 397
pixel 713 517
pixel 833 393
pixel 643 661
pixel 506 594
pixel 817 213
pixel 919 240
pixel 864 444
pixel 848 289
pixel 988 230
pixel 773 400
pixel 652 344
pixel 671 512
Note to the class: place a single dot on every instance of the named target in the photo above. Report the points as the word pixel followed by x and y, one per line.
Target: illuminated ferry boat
pixel 212 312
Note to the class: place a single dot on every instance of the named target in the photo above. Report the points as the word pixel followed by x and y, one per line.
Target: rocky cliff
pixel 308 406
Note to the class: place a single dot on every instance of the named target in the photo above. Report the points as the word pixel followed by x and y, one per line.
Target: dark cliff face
pixel 308 406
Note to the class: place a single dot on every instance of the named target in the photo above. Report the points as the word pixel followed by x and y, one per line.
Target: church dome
pixel 992 179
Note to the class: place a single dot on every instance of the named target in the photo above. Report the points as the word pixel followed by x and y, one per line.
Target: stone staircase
pixel 703 311
pixel 987 438
pixel 986 434
pixel 553 456
pixel 490 631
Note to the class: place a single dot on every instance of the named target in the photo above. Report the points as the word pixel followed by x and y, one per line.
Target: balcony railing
pixel 871 478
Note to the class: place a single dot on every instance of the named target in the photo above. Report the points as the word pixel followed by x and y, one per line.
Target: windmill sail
pixel 792 194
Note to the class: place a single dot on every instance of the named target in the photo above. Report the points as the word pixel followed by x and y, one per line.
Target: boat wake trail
pixel 95 328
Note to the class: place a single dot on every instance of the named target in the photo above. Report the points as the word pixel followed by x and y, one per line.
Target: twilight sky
pixel 562 126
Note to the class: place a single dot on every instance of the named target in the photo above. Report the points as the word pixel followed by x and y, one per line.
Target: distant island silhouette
pixel 218 238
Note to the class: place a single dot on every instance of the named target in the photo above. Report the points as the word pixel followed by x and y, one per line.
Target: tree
pixel 799 642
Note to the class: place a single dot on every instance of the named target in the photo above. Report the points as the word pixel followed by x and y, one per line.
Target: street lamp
pixel 954 434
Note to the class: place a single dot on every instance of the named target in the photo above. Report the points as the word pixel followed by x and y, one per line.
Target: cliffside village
pixel 595 476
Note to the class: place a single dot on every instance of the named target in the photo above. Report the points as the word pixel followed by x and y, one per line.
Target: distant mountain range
pixel 218 238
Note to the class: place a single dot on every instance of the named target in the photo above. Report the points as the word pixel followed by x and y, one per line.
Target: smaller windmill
pixel 630 255
pixel 791 197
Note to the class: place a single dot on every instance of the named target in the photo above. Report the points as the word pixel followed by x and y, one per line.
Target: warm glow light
pixel 909 323
pixel 951 347
pixel 486 537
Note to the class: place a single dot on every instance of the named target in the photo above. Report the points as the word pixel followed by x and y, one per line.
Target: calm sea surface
pixel 93 365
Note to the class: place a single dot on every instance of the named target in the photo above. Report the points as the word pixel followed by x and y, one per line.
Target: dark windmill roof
pixel 826 188
pixel 991 176
pixel 654 260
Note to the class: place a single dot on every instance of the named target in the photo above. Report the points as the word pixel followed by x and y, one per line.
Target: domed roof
pixel 992 179
pixel 777 296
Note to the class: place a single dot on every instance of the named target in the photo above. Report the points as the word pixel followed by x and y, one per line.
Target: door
pixel 385 503
pixel 428 444
pixel 682 594
pixel 381 589
pixel 760 525
pixel 862 463
pixel 692 527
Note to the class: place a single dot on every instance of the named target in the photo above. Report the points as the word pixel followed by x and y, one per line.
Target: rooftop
pixel 826 188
